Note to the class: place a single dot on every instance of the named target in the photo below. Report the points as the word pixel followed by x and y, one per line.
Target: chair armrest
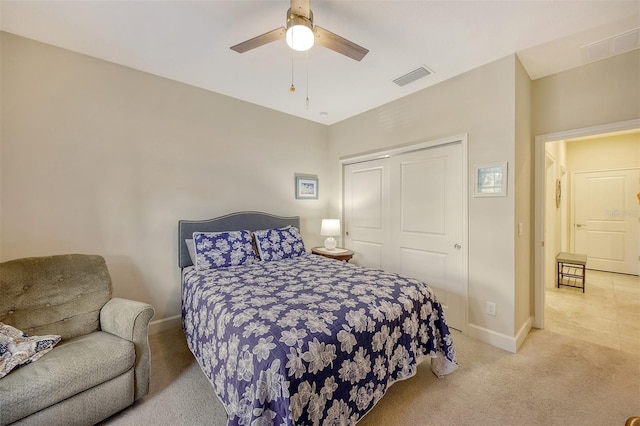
pixel 129 320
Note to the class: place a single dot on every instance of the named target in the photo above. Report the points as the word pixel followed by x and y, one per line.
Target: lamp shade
pixel 300 37
pixel 330 227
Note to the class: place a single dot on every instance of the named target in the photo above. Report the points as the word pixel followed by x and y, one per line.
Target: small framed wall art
pixel 490 180
pixel 306 188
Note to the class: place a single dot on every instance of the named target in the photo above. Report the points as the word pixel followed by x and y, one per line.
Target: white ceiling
pixel 189 41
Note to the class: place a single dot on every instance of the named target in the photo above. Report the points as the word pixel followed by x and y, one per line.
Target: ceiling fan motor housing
pixel 295 19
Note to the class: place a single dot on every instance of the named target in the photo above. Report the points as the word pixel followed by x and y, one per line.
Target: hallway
pixel 608 313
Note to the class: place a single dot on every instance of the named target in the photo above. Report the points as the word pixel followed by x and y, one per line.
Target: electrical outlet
pixel 491 308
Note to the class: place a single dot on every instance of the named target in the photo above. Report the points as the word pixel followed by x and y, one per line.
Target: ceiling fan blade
pixel 277 34
pixel 339 44
pixel 301 8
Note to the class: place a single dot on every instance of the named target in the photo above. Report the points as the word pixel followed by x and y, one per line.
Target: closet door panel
pixel 365 212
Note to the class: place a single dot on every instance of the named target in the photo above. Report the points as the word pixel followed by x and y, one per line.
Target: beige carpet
pixel 552 380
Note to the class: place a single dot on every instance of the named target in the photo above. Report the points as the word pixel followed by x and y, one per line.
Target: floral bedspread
pixel 309 340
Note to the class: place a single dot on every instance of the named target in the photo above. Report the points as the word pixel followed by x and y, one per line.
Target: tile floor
pixel 608 313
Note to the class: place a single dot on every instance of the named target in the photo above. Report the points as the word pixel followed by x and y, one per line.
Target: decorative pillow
pixel 18 349
pixel 279 243
pixel 221 249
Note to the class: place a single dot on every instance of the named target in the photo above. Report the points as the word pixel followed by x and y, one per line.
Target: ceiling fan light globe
pixel 300 37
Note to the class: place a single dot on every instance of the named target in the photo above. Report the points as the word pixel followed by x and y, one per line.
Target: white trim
pixel 492 338
pixel 589 131
pixel 539 153
pixel 413 146
pixel 523 333
pixel 499 340
pixel 465 229
pixel 165 324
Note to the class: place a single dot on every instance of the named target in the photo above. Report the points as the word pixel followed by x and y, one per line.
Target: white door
pixel 405 214
pixel 366 212
pixel 427 222
pixel 605 221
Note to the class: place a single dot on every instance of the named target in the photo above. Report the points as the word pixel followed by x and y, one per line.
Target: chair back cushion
pixel 60 294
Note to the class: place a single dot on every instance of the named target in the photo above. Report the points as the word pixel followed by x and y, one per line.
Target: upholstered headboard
pixel 252 221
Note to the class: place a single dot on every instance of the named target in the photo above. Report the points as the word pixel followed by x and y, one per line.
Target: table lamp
pixel 329 229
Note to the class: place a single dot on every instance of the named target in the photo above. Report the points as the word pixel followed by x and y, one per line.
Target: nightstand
pixel 337 253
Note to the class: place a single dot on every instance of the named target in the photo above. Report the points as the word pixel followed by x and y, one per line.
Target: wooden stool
pixel 571 269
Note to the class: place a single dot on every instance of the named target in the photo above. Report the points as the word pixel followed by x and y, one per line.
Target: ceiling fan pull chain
pixel 292 89
pixel 307 54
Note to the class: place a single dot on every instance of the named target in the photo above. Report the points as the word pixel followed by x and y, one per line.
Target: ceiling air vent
pixel 611 46
pixel 412 76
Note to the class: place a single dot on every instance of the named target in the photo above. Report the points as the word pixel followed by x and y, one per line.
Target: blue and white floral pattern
pixel 310 340
pixel 221 249
pixel 279 243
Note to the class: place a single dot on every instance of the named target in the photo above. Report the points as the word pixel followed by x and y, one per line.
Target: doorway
pixel 541 251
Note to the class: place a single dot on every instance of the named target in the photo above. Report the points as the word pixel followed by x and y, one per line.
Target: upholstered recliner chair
pixel 102 363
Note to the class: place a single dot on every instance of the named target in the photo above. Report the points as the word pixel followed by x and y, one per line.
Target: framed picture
pixel 306 188
pixel 490 180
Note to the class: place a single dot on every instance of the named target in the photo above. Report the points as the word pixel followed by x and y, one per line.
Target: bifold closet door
pixel 404 214
pixel 426 199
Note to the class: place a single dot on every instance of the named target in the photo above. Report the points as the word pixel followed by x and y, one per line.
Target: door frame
pixel 418 146
pixel 539 204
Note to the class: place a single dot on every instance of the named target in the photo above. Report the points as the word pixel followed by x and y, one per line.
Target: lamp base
pixel 330 243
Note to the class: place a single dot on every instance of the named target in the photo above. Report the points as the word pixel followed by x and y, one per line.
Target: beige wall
pixel 523 171
pixel 602 92
pixel 99 158
pixel 604 153
pixel 480 103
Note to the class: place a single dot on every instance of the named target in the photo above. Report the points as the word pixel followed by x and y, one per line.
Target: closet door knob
pixel 457 246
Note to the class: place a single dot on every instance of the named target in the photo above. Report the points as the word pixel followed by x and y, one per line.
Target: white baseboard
pixel 492 338
pixel 499 340
pixel 523 332
pixel 165 324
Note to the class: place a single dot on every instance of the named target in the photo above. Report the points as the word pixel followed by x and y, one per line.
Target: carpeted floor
pixel 552 380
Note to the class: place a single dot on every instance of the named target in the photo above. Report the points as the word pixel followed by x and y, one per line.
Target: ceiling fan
pixel 301 34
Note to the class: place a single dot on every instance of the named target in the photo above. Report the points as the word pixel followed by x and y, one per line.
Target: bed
pixel 287 337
